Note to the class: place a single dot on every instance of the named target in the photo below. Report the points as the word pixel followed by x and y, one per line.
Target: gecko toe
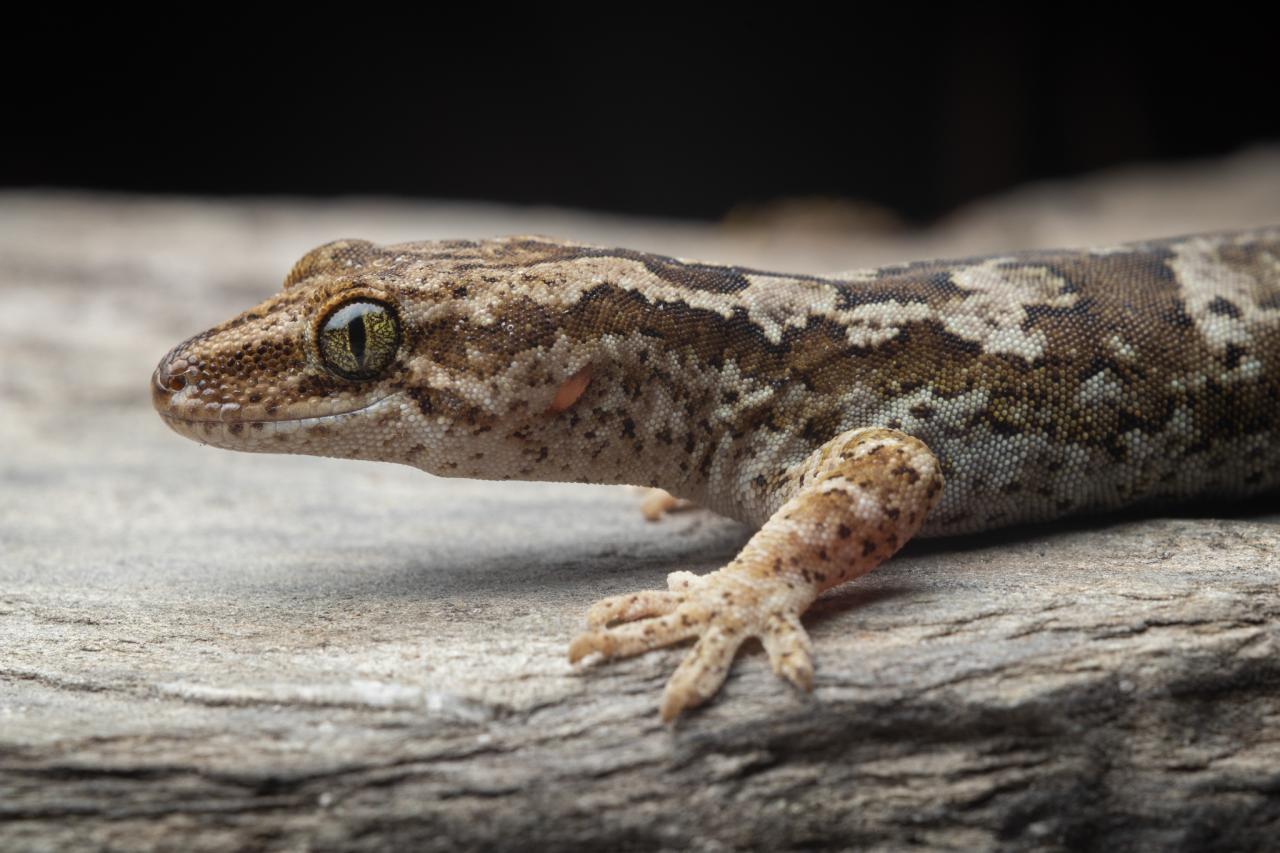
pixel 682 581
pixel 790 652
pixel 630 607
pixel 701 672
pixel 633 638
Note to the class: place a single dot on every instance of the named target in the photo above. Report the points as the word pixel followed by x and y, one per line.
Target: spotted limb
pixel 852 504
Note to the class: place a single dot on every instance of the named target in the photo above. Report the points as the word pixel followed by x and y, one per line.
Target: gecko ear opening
pixel 570 390
pixel 336 255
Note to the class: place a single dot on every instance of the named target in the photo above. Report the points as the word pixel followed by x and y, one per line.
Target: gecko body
pixel 841 414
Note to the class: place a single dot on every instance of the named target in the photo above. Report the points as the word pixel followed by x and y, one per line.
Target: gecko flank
pixel 827 411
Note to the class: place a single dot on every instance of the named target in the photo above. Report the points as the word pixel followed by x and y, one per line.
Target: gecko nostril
pixel 174 372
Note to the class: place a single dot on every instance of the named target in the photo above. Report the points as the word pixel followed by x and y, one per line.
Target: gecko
pixel 839 415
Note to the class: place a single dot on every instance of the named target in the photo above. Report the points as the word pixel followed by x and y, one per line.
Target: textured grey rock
pixel 202 650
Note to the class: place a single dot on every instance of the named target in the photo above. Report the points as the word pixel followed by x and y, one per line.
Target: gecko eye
pixel 359 338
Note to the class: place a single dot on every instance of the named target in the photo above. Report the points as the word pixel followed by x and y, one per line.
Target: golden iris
pixel 358 339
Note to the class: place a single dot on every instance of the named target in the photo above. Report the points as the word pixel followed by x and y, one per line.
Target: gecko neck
pixel 669 404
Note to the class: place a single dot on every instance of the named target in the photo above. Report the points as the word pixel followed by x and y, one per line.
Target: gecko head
pixel 408 353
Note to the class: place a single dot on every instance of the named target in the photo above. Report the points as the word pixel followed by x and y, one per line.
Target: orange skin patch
pixel 570 391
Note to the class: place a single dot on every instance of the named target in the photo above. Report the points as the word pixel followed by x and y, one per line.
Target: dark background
pixel 916 121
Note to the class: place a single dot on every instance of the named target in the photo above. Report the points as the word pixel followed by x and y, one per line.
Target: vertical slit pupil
pixel 356 335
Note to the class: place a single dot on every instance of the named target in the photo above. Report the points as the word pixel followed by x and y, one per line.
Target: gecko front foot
pixel 850 505
pixel 722 610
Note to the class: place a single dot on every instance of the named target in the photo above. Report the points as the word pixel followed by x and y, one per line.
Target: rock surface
pixel 202 650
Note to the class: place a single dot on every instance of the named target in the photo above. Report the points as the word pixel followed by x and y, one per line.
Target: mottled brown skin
pixel 829 411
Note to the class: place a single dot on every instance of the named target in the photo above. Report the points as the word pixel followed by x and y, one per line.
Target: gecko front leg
pixel 849 506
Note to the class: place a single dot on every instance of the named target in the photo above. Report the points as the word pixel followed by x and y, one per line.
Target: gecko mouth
pixel 279 435
pixel 231 415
